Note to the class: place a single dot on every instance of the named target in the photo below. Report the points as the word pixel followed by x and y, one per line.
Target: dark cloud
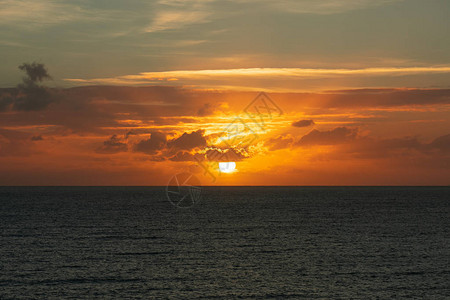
pixel 131 132
pixel 225 155
pixel 6 100
pixel 152 145
pixel 177 149
pixel 388 97
pixel 92 109
pixel 189 141
pixel 187 147
pixel 403 148
pixel 187 156
pixel 441 143
pixel 29 95
pixel 369 148
pixel 37 138
pixel 113 145
pixel 303 123
pixel 32 97
pixel 399 143
pixel 35 72
pixel 336 136
pixel 363 98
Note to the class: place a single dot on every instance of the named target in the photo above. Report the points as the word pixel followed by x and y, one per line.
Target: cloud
pixel 29 95
pixel 225 155
pixel 205 110
pixel 254 78
pixel 174 15
pixel 323 7
pixel 441 143
pixel 152 145
pixel 31 14
pixel 279 142
pixel 385 97
pixel 6 100
pixel 303 123
pixel 187 156
pixel 189 141
pixel 104 110
pixel 37 138
pixel 35 72
pixel 331 137
pixel 274 72
pixel 32 97
pixel 113 145
pixel 349 145
pixel 166 20
pixel 190 146
pixel 129 133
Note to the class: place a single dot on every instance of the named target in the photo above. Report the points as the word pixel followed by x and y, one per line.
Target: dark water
pixel 328 243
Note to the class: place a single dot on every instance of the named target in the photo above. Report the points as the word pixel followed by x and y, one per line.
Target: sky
pixel 355 92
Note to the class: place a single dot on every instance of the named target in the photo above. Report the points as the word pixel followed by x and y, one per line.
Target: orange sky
pixel 143 90
pixel 144 135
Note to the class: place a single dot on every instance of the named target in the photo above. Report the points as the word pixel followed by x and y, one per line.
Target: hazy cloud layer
pixel 129 128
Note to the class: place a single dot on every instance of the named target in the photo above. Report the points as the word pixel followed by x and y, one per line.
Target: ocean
pixel 234 243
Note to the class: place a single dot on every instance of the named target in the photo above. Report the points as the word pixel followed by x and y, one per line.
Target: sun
pixel 227 167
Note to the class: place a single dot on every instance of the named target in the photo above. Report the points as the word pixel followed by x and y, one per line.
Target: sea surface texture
pixel 235 243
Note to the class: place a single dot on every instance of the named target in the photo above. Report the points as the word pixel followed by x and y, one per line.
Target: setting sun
pixel 227 167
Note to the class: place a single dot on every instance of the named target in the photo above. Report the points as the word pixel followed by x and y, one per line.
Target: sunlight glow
pixel 227 167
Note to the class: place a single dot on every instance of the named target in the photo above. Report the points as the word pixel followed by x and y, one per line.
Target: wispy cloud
pixel 317 7
pixel 211 78
pixel 29 13
pixel 175 14
pixel 175 19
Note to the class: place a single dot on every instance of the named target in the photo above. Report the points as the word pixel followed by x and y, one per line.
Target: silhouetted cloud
pixel 336 136
pixel 442 143
pixel 188 141
pixel 367 147
pixel 190 146
pixel 29 95
pixel 113 145
pixel 37 138
pixel 303 123
pixel 187 156
pixel 32 97
pixel 225 155
pixel 152 145
pixel 35 72
pixel 6 100
pixel 158 144
pixel 129 133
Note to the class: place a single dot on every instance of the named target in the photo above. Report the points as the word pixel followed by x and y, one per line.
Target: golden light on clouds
pixel 250 78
